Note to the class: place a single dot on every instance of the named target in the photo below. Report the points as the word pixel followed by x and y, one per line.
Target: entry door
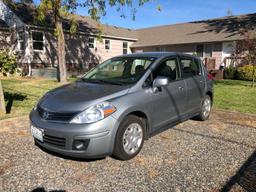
pixel 228 48
pixel 169 102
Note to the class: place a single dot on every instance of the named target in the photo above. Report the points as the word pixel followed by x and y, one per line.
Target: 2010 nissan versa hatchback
pixel 120 103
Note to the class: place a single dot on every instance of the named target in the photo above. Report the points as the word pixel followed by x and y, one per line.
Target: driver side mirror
pixel 159 82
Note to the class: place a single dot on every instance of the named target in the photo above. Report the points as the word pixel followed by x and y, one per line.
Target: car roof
pixel 156 54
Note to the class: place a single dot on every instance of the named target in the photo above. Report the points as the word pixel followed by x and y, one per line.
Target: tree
pixel 247 49
pixel 7 63
pixel 62 9
pixel 2 103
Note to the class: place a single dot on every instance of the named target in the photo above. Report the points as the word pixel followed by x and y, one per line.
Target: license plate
pixel 37 133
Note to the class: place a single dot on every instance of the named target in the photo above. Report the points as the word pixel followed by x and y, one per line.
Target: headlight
pixel 94 113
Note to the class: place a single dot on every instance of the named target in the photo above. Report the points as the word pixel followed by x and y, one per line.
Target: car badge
pixel 45 115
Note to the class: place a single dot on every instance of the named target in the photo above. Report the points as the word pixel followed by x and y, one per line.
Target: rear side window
pixel 190 67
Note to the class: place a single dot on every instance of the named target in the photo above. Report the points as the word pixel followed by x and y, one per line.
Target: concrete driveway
pixel 219 154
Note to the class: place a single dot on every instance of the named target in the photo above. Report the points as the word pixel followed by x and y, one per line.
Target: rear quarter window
pixel 190 67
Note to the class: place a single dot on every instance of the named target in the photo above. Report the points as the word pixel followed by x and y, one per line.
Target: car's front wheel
pixel 129 138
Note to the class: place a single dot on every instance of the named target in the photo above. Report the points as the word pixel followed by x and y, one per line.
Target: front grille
pixel 55 116
pixel 56 141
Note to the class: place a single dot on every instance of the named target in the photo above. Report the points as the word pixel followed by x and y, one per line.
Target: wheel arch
pixel 210 94
pixel 143 116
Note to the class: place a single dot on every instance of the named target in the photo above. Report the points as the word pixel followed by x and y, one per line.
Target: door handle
pixel 181 88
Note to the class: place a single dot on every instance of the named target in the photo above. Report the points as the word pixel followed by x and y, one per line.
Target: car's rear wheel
pixel 129 138
pixel 206 107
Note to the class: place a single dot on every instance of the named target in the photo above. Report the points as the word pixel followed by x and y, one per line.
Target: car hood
pixel 80 95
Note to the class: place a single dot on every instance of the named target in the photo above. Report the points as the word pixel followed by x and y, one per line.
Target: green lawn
pixel 22 94
pixel 235 95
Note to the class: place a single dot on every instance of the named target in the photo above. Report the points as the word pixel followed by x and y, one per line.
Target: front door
pixel 169 102
pixel 228 48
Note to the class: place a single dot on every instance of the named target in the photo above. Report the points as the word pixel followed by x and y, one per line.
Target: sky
pixel 175 11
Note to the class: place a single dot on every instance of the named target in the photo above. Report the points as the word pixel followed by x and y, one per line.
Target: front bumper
pixel 60 137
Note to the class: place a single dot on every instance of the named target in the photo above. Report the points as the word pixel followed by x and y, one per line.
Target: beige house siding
pixel 190 48
pixel 116 48
pixel 78 53
pixel 184 48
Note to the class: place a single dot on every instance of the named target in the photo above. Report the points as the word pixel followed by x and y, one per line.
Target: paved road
pixel 193 156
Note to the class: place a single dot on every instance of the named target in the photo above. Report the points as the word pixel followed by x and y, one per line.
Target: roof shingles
pixel 27 13
pixel 215 30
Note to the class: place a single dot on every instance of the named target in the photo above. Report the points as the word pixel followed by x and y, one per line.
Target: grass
pixel 235 95
pixel 21 95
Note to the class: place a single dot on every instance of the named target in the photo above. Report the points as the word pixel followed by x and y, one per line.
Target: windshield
pixel 122 70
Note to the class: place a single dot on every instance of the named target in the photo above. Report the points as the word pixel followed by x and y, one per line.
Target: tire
pixel 129 138
pixel 205 109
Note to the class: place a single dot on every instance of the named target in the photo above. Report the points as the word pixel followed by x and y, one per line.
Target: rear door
pixel 169 102
pixel 191 72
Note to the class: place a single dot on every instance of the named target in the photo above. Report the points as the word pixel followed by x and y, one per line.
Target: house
pixel 36 44
pixel 214 40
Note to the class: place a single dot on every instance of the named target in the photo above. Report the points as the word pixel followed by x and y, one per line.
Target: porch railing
pixel 233 61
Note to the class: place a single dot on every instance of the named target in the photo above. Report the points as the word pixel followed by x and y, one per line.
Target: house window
pixel 160 49
pixel 208 50
pixel 91 42
pixel 200 50
pixel 38 40
pixel 125 47
pixel 107 44
pixel 21 40
pixel 217 47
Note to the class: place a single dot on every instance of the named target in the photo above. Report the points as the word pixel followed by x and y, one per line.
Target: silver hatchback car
pixel 120 103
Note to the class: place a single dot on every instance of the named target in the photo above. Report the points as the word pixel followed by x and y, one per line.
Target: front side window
pixel 21 40
pixel 167 68
pixel 189 67
pixel 38 40
pixel 107 44
pixel 91 42
pixel 125 47
pixel 121 71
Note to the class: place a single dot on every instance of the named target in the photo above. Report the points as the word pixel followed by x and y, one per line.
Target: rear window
pixel 190 67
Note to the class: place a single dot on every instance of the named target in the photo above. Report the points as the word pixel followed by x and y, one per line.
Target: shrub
pixel 246 72
pixel 230 72
pixel 8 63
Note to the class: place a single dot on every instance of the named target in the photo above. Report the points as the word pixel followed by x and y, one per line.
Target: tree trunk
pixel 62 71
pixel 29 70
pixel 2 103
pixel 253 76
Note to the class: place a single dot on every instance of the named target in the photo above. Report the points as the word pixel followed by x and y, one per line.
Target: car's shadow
pixel 42 189
pixel 68 157
pixel 245 177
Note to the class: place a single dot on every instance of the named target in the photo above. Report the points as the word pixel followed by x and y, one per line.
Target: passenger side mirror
pixel 159 82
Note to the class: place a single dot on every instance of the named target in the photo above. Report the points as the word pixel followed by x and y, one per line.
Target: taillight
pixel 209 76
